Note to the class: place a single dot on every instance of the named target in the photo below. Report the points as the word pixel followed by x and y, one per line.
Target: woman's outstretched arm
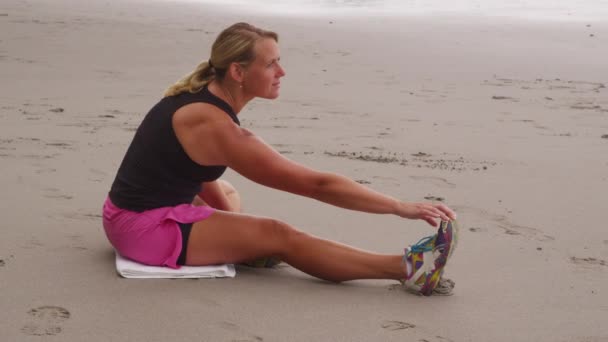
pixel 224 143
pixel 346 193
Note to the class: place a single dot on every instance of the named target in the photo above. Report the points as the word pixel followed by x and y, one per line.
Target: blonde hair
pixel 234 45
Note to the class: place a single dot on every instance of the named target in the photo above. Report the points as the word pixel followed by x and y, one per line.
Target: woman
pixel 167 206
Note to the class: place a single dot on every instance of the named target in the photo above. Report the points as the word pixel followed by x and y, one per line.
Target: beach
pixel 503 119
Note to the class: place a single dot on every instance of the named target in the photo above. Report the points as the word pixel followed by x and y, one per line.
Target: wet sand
pixel 503 120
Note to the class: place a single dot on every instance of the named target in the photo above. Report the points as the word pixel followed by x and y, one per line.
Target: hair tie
pixel 210 64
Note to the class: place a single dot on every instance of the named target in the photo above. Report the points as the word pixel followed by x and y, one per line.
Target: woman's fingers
pixel 436 212
pixel 449 212
pixel 429 212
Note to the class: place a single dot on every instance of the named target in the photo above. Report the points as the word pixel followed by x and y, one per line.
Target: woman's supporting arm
pixel 213 194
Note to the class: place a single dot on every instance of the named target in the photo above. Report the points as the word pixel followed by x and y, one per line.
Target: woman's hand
pixel 426 211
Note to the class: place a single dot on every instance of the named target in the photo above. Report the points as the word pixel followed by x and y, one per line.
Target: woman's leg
pixel 227 237
pixel 233 196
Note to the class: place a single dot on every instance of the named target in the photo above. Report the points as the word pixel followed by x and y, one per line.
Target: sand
pixel 504 120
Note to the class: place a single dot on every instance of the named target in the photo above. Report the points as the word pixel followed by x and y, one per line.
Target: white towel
pixel 131 269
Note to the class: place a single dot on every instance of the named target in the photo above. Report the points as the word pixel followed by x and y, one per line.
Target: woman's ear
pixel 237 72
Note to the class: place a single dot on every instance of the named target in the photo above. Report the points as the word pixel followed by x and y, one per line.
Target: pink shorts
pixel 152 237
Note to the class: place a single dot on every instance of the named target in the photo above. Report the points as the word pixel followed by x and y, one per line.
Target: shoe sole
pixel 449 231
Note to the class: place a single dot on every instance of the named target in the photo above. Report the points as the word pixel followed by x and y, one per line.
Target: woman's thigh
pixel 227 237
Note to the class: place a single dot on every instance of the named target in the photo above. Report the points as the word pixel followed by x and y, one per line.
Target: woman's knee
pixel 227 187
pixel 233 196
pixel 283 233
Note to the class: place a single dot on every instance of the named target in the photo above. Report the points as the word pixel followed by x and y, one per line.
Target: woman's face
pixel 262 76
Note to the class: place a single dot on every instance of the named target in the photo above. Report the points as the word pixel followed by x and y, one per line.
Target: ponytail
pixel 194 81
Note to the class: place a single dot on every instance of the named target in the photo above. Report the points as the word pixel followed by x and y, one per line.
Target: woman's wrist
pixel 400 208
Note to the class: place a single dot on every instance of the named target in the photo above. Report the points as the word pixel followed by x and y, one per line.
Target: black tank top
pixel 156 171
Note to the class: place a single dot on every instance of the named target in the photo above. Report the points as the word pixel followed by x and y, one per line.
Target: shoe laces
pixel 423 245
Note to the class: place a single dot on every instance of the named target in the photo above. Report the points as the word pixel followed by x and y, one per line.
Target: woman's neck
pixel 230 93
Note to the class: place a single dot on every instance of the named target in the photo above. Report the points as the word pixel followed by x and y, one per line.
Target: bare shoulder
pixel 210 137
pixel 198 127
pixel 197 113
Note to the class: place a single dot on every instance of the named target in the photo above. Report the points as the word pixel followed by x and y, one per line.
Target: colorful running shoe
pixel 425 261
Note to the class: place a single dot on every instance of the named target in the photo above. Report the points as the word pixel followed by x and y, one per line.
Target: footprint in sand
pixel 397 325
pixel 45 320
pixel 4 261
pixel 588 261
